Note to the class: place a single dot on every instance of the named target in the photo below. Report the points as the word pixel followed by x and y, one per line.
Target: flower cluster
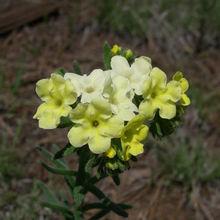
pixel 111 110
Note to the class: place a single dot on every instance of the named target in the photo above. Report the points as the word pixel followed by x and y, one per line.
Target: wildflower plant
pixel 109 114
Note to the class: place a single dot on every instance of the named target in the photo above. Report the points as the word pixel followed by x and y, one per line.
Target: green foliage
pixel 76 68
pixel 123 16
pixel 65 122
pixel 10 167
pixel 163 127
pixel 107 55
pixel 66 151
pixel 9 158
pixel 61 71
pixel 79 182
pixel 16 84
pixel 22 206
pixel 187 165
pixel 200 18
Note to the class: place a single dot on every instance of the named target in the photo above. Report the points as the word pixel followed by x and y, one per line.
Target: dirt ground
pixel 34 51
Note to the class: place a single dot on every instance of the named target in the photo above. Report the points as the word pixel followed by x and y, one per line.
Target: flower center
pixel 95 123
pixel 59 102
pixel 90 89
pixel 153 95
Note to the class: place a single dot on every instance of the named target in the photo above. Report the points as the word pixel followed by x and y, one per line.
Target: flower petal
pixel 148 109
pixel 43 89
pixel 110 153
pixel 76 81
pixel 141 66
pixel 185 100
pixel 120 65
pixel 49 115
pixel 112 128
pixel 99 144
pixel 167 110
pixel 184 84
pixel 136 148
pixel 78 136
pixel 69 93
pixel 173 92
pixel 159 78
pixel 142 133
pixel 77 114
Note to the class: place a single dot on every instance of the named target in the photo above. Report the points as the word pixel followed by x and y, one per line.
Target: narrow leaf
pixel 100 214
pixel 78 195
pixel 66 151
pixel 59 208
pixel 76 68
pixel 116 179
pixel 49 156
pixel 125 206
pixel 117 209
pixel 107 55
pixel 61 71
pixel 97 205
pixel 49 196
pixel 90 164
pixel 65 122
pixel 59 171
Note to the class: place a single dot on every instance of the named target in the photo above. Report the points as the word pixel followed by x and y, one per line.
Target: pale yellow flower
pixel 120 96
pixel 178 76
pixel 115 49
pixel 158 94
pixel 58 94
pixel 110 153
pixel 94 125
pixel 132 135
pixel 90 86
pixel 136 74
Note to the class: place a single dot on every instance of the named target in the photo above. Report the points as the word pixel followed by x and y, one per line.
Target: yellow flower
pixel 178 76
pixel 132 135
pixel 116 49
pixel 120 95
pixel 90 86
pixel 136 74
pixel 58 94
pixel 94 125
pixel 158 94
pixel 110 153
pixel 128 54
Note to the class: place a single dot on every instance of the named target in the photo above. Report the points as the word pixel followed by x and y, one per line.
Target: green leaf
pixel 49 156
pixel 78 215
pixel 117 209
pixel 61 71
pixel 70 180
pixel 59 171
pixel 95 205
pixel 112 206
pixel 76 68
pixel 100 214
pixel 125 206
pixel 52 202
pixel 96 191
pixel 90 164
pixel 48 195
pixel 65 122
pixel 107 55
pixel 116 179
pixel 78 195
pixel 60 208
pixel 66 151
